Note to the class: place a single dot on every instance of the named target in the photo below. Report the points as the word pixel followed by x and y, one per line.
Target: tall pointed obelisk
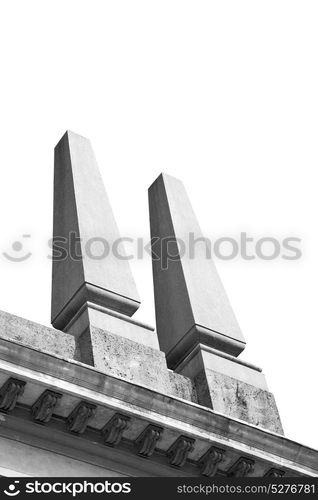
pixel 196 326
pixel 92 289
pixel 85 228
pixel 191 303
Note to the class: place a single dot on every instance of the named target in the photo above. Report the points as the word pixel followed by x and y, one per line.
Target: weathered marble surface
pixel 121 357
pixel 78 383
pixel 238 399
pixel 113 354
pixel 37 336
pixel 183 387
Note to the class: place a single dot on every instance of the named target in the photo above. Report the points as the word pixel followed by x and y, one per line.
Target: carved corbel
pixel 112 432
pixel 179 451
pixel 9 393
pixel 210 461
pixel 43 408
pixel 146 442
pixel 241 468
pixel 275 473
pixel 77 421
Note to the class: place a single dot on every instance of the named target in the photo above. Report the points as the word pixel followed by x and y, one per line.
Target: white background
pixel 221 94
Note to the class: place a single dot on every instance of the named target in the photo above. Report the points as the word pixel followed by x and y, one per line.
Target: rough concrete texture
pixel 182 387
pixel 122 357
pixel 36 336
pixel 238 399
pixel 109 353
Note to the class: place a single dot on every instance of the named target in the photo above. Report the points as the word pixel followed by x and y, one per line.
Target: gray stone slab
pixel 124 358
pixel 36 336
pixel 111 353
pixel 238 399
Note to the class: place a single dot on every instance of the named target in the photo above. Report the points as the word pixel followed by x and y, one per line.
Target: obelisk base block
pixel 91 314
pixel 231 387
pixel 119 346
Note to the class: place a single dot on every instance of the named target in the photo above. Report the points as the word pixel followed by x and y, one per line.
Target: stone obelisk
pixel 196 326
pixel 93 290
pixel 191 303
pixel 84 225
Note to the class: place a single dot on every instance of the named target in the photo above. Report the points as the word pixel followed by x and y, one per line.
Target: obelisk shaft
pixel 85 268
pixel 191 304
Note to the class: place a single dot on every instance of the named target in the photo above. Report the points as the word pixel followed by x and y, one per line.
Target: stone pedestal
pixel 232 387
pixel 120 346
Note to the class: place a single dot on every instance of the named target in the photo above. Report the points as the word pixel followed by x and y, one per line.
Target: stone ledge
pixel 238 399
pixel 124 358
pixel 122 442
pixel 37 336
pixel 77 382
pixel 117 355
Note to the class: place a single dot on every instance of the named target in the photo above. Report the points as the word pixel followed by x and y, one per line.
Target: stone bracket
pixel 9 393
pixel 274 473
pixel 43 408
pixel 77 421
pixel 210 460
pixel 179 451
pixel 113 431
pixel 241 468
pixel 146 442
